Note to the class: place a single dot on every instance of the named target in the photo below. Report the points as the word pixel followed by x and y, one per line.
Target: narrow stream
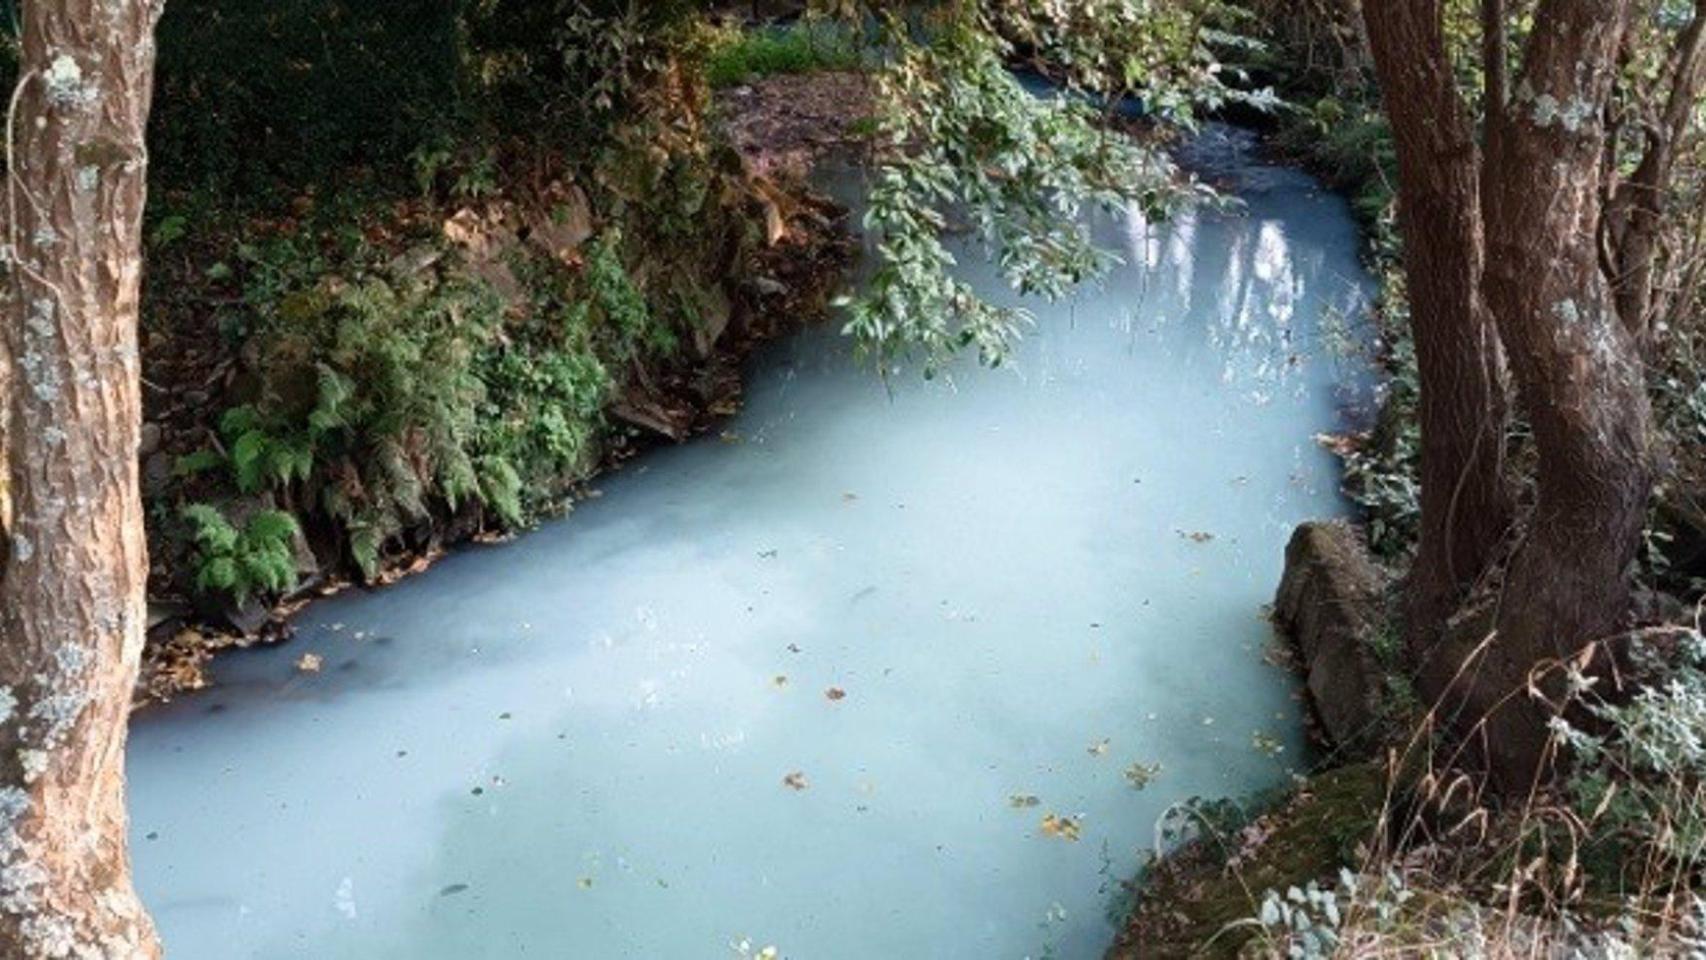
pixel 798 685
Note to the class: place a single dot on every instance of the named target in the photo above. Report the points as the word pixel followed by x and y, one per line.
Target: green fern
pixel 242 563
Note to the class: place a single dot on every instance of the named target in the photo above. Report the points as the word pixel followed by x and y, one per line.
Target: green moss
pixel 1194 905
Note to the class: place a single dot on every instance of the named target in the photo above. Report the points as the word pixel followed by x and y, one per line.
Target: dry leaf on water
pixel 1066 828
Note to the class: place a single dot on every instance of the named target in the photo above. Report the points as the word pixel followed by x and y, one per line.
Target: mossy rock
pixel 1194 903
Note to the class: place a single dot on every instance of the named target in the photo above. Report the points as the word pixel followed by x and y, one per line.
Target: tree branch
pixel 1495 62
pixel 1638 207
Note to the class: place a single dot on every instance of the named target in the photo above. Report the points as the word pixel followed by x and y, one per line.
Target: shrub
pixel 739 57
pixel 1640 777
pixel 242 562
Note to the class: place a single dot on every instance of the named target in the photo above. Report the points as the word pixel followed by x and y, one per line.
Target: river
pixel 875 673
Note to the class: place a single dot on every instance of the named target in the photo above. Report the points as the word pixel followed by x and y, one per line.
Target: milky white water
pixel 1023 581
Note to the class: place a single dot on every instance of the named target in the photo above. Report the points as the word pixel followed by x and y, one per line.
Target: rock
pixel 484 238
pixel 156 472
pixel 247 619
pixel 166 613
pixel 714 312
pixel 1331 603
pixel 150 440
pixel 769 286
pixel 642 411
pixel 415 262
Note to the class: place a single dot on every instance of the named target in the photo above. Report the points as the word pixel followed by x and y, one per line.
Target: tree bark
pixel 1466 501
pixel 1577 368
pixel 72 601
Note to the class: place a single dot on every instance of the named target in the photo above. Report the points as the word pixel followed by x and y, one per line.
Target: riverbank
pixel 770 272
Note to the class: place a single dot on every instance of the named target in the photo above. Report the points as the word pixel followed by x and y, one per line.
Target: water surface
pixel 797 684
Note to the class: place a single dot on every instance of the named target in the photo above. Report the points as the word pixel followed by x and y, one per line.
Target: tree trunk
pixel 72 601
pixel 1577 368
pixel 1466 502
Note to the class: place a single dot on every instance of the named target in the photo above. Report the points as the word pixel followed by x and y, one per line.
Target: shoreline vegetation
pixel 557 345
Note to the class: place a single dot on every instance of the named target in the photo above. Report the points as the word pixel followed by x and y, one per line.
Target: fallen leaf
pixel 1141 775
pixel 1066 828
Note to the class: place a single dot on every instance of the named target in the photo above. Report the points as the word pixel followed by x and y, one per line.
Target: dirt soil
pixel 784 126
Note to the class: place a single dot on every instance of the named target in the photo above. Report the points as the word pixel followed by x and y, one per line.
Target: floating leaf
pixel 1020 801
pixel 1064 827
pixel 835 693
pixel 1098 748
pixel 1141 775
pixel 309 663
pixel 795 781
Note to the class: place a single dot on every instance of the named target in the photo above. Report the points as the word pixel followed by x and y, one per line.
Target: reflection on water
pixel 819 683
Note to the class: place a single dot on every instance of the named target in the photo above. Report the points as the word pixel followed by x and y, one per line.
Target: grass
pixel 749 55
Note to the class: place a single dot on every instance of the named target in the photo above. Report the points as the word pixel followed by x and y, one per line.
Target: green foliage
pixel 1382 471
pixel 377 390
pixel 377 402
pixel 808 46
pixel 623 305
pixel 568 70
pixel 1639 783
pixel 1305 922
pixel 1348 141
pixel 372 392
pixel 1175 57
pixel 542 419
pixel 959 133
pixel 241 563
